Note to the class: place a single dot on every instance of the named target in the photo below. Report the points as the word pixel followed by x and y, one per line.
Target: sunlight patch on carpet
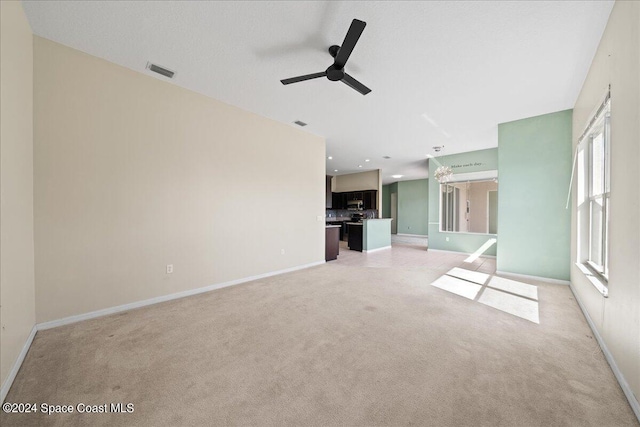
pixel 510 296
pixel 457 286
pixel 513 287
pixel 512 304
pixel 482 249
pixel 468 275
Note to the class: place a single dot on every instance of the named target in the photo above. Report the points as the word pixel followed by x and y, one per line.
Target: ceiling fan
pixel 341 54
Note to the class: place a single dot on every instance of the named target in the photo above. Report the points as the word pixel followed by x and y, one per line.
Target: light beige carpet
pixel 331 345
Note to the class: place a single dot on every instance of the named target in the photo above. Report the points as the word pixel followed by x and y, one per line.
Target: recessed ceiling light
pixel 429 156
pixel 330 158
pixel 299 123
pixel 367 160
pixel 386 157
pixel 397 176
pixel 335 170
pixel 359 166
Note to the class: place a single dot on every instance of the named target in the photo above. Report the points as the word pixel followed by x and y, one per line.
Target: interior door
pixel 394 213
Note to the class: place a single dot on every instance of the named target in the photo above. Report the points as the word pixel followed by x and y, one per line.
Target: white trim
pixel 163 298
pixel 463 233
pixel 459 253
pixel 540 278
pixel 594 280
pixel 412 235
pixel 633 402
pixel 473 176
pixel 17 364
pixel 377 249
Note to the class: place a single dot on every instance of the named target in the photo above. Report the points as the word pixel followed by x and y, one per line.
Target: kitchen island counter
pixel 370 234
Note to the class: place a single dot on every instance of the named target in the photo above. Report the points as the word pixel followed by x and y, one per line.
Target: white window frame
pixel 600 124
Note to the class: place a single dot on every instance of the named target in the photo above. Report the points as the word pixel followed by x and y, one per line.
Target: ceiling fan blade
pixel 350 40
pixel 354 84
pixel 303 78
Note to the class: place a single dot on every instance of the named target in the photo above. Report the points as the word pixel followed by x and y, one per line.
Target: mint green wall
pixel 473 161
pixel 534 173
pixel 386 201
pixel 376 234
pixel 413 207
pixel 493 212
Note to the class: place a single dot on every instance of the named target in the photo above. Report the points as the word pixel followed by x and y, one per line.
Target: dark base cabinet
pixel 343 228
pixel 332 243
pixel 355 237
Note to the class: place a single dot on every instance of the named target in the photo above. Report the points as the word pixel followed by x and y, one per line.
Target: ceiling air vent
pixel 160 70
pixel 299 123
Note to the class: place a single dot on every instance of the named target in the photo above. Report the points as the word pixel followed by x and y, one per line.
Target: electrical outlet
pixel 446 238
pixel 281 251
pixel 169 268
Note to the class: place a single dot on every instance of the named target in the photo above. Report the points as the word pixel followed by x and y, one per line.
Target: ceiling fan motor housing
pixel 334 74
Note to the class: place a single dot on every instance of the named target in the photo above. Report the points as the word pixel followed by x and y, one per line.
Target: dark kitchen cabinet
pixel 337 201
pixel 370 199
pixel 355 237
pixel 354 195
pixel 332 243
pixel 343 227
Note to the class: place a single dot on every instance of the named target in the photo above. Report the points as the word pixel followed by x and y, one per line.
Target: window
pixel 596 143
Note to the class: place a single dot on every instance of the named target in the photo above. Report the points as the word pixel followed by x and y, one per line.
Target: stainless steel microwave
pixel 354 205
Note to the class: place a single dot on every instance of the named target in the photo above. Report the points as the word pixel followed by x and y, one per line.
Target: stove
pixel 357 217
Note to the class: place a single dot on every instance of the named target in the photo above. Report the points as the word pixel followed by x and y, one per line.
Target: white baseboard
pixel 424 236
pixel 163 298
pixel 377 249
pixel 17 364
pixel 459 253
pixel 125 307
pixel 633 402
pixel 541 279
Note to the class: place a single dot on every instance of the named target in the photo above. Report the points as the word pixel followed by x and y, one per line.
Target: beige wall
pixel 17 312
pixel 133 173
pixel 370 180
pixel 357 181
pixel 479 201
pixel 616 62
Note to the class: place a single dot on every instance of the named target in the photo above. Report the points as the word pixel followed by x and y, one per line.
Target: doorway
pixel 394 213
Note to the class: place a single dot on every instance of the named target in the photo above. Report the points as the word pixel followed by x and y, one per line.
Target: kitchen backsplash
pixel 345 213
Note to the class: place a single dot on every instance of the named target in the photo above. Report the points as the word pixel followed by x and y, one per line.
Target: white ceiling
pixel 442 73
